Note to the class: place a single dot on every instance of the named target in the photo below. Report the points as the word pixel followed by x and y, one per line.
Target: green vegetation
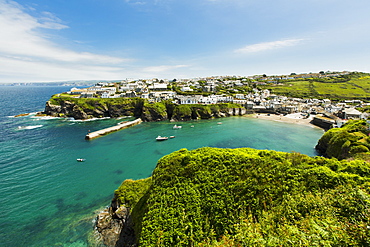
pixel 355 85
pixel 247 197
pixel 137 107
pixel 350 141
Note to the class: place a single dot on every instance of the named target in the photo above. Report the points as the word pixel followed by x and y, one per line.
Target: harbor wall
pixel 115 128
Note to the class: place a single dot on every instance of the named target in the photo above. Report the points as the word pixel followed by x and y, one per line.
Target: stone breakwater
pixel 106 131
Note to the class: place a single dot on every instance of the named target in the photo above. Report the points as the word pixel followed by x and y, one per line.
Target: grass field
pixel 354 86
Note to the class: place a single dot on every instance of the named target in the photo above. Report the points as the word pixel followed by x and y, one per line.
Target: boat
pixel 81 160
pixel 161 138
pixel 177 127
pixel 172 136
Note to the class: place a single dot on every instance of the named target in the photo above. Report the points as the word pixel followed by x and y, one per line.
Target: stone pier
pixel 118 127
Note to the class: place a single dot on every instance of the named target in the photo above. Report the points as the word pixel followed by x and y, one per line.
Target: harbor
pixel 119 126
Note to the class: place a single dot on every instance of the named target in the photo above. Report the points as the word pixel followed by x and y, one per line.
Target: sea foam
pixel 29 127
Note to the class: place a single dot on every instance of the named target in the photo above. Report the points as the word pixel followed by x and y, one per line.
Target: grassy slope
pixel 247 197
pixel 357 87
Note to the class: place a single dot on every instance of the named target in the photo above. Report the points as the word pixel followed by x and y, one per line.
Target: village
pixel 238 90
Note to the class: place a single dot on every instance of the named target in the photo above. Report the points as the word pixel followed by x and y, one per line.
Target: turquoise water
pixel 49 199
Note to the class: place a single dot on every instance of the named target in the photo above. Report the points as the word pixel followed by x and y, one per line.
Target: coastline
pixel 295 118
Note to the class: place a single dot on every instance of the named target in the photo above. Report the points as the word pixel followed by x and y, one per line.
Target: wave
pixel 29 127
pixel 45 117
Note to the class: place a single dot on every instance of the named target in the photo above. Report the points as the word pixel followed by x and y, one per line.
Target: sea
pixel 47 198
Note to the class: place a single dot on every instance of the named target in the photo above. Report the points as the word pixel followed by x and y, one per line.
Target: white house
pixel 105 94
pixel 352 113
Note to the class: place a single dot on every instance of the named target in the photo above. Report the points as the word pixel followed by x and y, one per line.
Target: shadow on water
pixel 118 171
pixel 142 143
pixel 80 195
pixel 157 152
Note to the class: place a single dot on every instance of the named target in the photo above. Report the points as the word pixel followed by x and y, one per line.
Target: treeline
pixel 247 197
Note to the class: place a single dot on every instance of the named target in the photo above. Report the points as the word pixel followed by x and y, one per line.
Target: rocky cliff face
pixel 67 108
pixel 147 112
pixel 114 226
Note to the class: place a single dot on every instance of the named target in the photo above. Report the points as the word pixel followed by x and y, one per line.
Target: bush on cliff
pixel 247 197
pixel 154 112
pixel 350 141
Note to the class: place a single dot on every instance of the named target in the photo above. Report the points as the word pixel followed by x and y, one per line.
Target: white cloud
pixel 24 39
pixel 268 46
pixel 48 20
pixel 136 2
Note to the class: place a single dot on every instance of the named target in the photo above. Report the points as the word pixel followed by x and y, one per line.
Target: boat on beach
pixel 161 138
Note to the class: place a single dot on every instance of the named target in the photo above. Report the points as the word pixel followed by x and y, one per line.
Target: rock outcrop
pixel 148 112
pixel 114 226
pixel 66 108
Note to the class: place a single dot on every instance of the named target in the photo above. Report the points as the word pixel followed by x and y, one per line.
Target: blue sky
pixel 58 40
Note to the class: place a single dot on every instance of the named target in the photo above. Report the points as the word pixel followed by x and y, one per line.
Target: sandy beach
pixel 295 118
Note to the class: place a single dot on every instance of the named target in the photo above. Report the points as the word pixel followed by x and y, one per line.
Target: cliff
pixel 79 108
pixel 246 197
pixel 114 225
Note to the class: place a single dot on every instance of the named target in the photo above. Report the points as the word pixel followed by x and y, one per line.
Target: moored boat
pixel 177 127
pixel 161 138
pixel 80 160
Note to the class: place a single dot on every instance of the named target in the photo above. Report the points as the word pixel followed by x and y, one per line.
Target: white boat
pixel 161 138
pixel 177 127
pixel 81 160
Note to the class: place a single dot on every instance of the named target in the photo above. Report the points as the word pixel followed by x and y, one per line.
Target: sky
pixel 64 40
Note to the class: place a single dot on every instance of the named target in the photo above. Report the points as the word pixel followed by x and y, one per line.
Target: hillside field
pixel 352 86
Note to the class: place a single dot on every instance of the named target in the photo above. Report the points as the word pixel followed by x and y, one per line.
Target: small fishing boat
pixel 80 160
pixel 172 137
pixel 177 127
pixel 161 138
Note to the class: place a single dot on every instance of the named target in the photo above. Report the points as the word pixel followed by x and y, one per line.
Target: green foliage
pixel 130 191
pixel 247 197
pixel 197 111
pixel 182 112
pixel 139 107
pixel 157 108
pixel 346 142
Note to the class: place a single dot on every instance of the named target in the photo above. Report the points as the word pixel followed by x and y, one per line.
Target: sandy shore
pixel 295 118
